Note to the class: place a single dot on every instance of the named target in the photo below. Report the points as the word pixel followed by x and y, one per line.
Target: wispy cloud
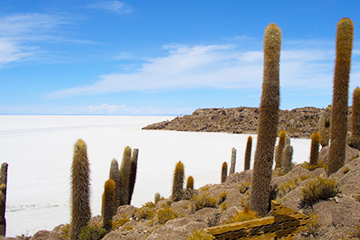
pixel 214 66
pixel 126 110
pixel 112 6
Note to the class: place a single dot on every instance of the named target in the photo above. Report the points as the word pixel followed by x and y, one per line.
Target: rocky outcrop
pixel 299 122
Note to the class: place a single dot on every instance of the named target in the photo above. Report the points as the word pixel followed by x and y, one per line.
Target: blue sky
pixel 164 57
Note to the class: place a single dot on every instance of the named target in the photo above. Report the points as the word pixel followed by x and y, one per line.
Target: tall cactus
pixel 314 152
pixel 115 176
pixel 223 172
pixel 355 137
pixel 178 183
pixel 287 158
pixel 3 187
pixel 233 160
pixel 344 43
pixel 321 128
pixel 134 160
pixel 125 170
pixel 268 122
pixel 279 149
pixel 248 153
pixel 80 190
pixel 108 204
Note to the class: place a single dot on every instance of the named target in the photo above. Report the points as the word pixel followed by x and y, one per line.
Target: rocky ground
pixel 337 217
pixel 299 122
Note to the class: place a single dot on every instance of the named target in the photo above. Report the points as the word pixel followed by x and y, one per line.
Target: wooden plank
pixel 284 223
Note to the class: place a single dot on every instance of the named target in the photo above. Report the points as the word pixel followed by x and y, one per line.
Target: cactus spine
pixel 223 172
pixel 134 160
pixel 3 186
pixel 268 122
pixel 355 138
pixel 233 160
pixel 314 153
pixel 178 183
pixel 287 158
pixel 344 39
pixel 108 204
pixel 80 191
pixel 248 153
pixel 125 170
pixel 190 183
pixel 115 176
pixel 279 149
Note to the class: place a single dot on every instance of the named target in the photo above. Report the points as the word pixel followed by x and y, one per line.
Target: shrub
pixel 200 235
pixel 92 233
pixel 200 202
pixel 320 188
pixel 147 211
pixel 166 214
pixel 243 216
pixel 119 223
pixel 313 226
pixel 310 167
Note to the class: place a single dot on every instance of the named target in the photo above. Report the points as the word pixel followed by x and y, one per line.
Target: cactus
pixel 178 183
pixel 125 170
pixel 248 153
pixel 3 186
pixel 233 161
pixel 80 190
pixel 157 198
pixel 223 172
pixel 355 137
pixel 344 39
pixel 115 176
pixel 108 204
pixel 287 158
pixel 268 122
pixel 134 159
pixel 190 183
pixel 321 128
pixel 279 149
pixel 314 153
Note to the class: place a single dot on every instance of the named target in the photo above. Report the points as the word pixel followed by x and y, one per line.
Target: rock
pixel 46 235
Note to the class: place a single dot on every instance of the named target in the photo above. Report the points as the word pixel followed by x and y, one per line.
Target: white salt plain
pixel 39 152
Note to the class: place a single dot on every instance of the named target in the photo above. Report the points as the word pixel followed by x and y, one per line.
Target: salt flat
pixel 39 152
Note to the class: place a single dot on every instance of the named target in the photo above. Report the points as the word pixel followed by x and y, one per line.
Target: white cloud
pixel 215 66
pixel 112 6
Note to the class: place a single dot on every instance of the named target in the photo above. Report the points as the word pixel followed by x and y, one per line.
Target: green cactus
pixel 233 161
pixel 268 122
pixel 223 172
pixel 80 190
pixel 178 183
pixel 314 153
pixel 190 183
pixel 134 160
pixel 355 137
pixel 279 149
pixel 125 170
pixel 287 158
pixel 3 186
pixel 108 204
pixel 344 43
pixel 115 176
pixel 248 153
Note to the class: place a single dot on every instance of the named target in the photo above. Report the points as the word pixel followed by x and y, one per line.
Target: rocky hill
pixel 299 122
pixel 334 217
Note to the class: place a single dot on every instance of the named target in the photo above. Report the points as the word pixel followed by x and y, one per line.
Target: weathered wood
pixel 284 223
